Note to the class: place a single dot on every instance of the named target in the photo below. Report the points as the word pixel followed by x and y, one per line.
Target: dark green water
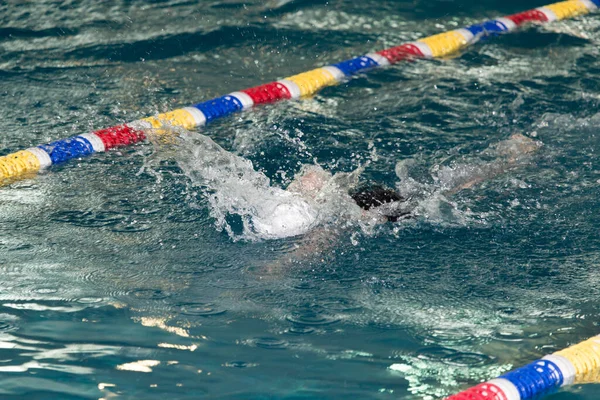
pixel 115 283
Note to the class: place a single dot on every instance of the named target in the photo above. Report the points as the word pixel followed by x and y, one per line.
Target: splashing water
pixel 233 187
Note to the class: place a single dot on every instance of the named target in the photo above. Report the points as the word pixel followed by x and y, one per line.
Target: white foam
pixel 234 187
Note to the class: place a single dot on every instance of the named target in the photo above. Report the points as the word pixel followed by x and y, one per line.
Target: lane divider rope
pixel 576 365
pixel 26 163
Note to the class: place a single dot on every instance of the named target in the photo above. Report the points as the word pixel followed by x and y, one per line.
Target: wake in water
pixel 316 197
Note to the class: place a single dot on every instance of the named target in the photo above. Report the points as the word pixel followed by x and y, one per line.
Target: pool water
pixel 115 282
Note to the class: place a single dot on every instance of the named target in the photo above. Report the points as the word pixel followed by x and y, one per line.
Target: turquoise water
pixel 116 283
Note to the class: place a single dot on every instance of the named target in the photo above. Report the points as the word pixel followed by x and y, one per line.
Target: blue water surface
pixel 115 283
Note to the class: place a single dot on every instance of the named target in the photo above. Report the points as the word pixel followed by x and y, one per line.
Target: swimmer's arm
pixel 313 248
pixel 488 171
pixel 321 242
pixel 510 154
pixel 467 185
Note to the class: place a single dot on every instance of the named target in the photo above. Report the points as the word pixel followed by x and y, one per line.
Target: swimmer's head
pixel 376 196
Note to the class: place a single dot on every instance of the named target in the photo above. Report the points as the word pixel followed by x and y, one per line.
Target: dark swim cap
pixel 368 197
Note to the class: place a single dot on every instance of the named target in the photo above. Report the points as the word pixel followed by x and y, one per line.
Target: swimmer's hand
pixel 516 147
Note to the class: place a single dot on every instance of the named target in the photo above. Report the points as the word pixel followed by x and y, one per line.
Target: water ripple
pixel 310 318
pixel 270 343
pixel 467 359
pixel 200 309
pixel 149 294
pixel 88 219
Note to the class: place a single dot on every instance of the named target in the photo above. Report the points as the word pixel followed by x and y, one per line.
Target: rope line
pixel 26 163
pixel 576 365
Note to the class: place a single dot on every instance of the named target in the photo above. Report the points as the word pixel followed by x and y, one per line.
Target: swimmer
pixel 380 204
pixel 376 203
pixel 316 197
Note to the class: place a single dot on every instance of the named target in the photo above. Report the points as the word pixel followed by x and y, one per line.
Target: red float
pixel 528 16
pixel 484 391
pixel 268 93
pixel 120 136
pixel 399 53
